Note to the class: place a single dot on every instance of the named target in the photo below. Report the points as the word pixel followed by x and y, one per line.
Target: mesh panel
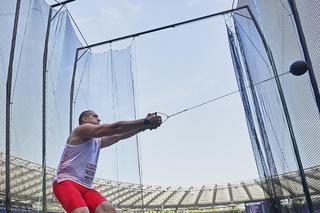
pixel 271 141
pixel 26 105
pixel 256 62
pixel 7 11
pixel 62 46
pixel 103 83
pixel 282 38
pixel 309 12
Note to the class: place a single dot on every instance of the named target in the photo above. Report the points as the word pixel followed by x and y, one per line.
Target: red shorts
pixel 72 195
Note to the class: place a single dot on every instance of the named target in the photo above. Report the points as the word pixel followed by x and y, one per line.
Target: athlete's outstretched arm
pixel 87 130
pixel 109 140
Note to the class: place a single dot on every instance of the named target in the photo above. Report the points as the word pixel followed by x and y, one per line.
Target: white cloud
pixel 131 7
pixel 218 3
pixel 111 12
pixel 116 11
pixel 191 3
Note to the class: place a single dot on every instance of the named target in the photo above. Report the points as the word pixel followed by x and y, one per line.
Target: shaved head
pixel 84 114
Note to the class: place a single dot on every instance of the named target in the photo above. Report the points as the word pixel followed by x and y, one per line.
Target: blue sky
pixel 176 69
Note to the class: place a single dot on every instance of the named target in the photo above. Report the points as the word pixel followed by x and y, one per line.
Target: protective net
pixel 282 111
pixel 101 80
pixel 104 83
pixel 310 21
pixel 63 42
pixel 26 93
pixel 25 124
pixel 205 129
pixel 279 109
pixel 27 141
pixel 7 12
pixel 309 16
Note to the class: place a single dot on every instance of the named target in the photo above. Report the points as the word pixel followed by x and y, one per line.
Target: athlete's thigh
pixel 68 195
pixel 93 199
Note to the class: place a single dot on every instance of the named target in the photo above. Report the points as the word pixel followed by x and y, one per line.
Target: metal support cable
pixel 255 47
pixel 85 41
pixel 219 97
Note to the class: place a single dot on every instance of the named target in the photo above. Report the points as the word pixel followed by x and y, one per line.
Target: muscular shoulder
pixel 81 133
pixel 84 127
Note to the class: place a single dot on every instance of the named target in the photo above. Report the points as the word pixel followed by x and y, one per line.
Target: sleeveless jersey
pixel 79 162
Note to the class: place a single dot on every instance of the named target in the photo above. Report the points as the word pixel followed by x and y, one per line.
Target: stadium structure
pixel 229 197
pixel 280 99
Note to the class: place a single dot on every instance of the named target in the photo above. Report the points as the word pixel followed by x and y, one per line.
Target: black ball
pixel 299 68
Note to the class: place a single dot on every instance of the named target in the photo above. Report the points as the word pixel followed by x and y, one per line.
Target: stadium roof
pixel 26 188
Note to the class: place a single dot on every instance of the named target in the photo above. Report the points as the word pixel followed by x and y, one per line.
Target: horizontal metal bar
pixel 61 3
pixel 164 27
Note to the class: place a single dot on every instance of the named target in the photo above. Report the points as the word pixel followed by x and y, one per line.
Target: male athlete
pixel 72 184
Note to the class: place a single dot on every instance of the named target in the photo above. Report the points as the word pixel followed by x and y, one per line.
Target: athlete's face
pixel 93 118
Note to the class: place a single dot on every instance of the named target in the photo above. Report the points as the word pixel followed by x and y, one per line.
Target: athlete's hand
pixel 154 120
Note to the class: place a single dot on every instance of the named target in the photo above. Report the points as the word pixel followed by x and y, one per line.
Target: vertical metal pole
pixel 44 100
pixel 303 42
pixel 44 113
pixel 8 106
pixel 72 89
pixel 287 116
pixel 137 137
